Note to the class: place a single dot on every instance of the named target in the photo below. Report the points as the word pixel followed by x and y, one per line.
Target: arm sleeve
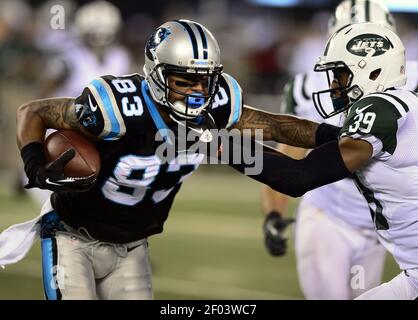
pixel 295 177
pixel 326 133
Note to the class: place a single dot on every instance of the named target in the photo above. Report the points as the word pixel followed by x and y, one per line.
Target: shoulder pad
pixel 376 115
pixel 227 105
pixel 88 113
pixel 119 102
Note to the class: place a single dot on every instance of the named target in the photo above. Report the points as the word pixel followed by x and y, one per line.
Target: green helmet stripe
pixel 367 10
pixel 353 13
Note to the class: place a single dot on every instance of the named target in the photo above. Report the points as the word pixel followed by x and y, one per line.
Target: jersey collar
pixel 155 115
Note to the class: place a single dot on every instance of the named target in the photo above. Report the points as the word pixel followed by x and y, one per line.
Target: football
pixel 87 158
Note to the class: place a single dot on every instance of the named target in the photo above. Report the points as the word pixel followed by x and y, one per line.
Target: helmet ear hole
pixel 374 74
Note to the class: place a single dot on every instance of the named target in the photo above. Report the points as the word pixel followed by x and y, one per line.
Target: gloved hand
pixel 52 176
pixel 274 228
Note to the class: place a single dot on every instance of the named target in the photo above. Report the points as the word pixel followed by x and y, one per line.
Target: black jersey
pixel 135 189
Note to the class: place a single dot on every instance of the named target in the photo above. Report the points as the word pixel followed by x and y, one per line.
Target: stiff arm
pixel 281 128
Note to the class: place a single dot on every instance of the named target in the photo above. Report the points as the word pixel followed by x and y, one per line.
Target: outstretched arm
pixel 328 163
pixel 283 128
pixel 273 201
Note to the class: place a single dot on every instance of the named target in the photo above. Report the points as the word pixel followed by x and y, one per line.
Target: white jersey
pixel 83 65
pixel 342 198
pixel 389 182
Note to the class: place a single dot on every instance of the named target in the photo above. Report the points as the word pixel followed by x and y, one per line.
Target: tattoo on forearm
pixel 36 116
pixel 58 114
pixel 280 128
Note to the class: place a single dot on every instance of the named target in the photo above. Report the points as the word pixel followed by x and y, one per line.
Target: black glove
pixel 51 176
pixel 274 227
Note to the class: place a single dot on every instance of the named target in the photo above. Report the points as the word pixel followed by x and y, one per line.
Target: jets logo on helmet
pixel 361 45
pixel 359 59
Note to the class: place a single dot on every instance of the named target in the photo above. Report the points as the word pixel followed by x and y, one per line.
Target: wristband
pixel 33 157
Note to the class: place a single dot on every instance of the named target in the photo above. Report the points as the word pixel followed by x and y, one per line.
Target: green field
pixel 211 248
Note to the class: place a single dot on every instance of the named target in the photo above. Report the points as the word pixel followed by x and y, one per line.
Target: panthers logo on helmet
pixel 359 45
pixel 157 37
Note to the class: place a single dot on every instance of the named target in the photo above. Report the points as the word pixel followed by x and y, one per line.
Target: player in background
pixel 89 50
pixel 94 50
pixel 335 215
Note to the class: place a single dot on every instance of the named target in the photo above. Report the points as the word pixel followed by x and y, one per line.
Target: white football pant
pixel 75 266
pixel 335 260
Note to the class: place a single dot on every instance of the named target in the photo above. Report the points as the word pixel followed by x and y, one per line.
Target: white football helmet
pixel 98 22
pixel 182 47
pixel 371 54
pixel 357 11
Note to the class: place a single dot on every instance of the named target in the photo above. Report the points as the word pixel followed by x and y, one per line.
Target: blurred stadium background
pixel 212 245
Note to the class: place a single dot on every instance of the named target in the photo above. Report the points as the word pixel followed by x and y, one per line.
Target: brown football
pixel 87 158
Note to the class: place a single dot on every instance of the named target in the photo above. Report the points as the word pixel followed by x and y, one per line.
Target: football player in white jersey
pixel 336 214
pixel 94 51
pixel 377 145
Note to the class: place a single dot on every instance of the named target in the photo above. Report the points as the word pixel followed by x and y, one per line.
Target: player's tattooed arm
pixel 281 128
pixel 34 117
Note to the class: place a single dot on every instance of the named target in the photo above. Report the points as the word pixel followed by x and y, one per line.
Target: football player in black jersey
pixel 94 243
